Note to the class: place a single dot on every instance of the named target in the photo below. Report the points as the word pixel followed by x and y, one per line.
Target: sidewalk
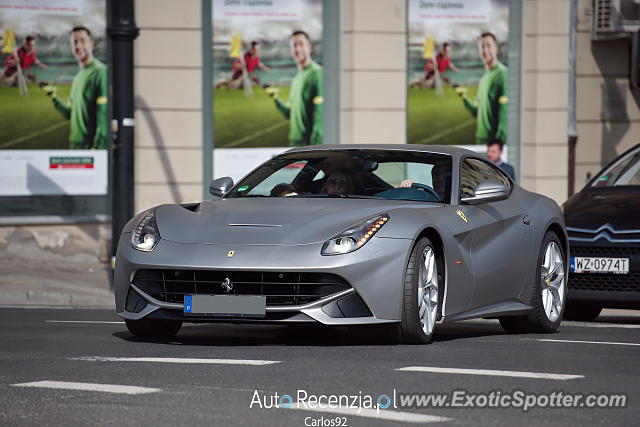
pixel 54 283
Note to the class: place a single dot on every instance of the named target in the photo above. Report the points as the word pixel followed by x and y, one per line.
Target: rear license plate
pixel 225 305
pixel 599 265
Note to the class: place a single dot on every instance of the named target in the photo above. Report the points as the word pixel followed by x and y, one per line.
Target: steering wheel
pixel 426 189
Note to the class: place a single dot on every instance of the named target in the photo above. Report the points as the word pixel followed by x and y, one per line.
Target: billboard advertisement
pixel 53 98
pixel 458 74
pixel 268 75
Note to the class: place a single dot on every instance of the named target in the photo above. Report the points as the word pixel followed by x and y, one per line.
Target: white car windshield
pixel 385 174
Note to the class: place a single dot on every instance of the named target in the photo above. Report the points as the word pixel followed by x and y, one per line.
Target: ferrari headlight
pixel 355 236
pixel 145 236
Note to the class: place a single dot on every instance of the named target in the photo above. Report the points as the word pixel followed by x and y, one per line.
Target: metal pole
pixel 207 99
pixel 572 132
pixel 122 31
pixel 634 62
pixel 331 37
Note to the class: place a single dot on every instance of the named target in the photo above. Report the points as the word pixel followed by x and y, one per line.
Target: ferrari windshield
pixel 353 173
pixel 626 171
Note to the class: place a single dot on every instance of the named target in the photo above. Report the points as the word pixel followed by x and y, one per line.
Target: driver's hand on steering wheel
pixel 406 183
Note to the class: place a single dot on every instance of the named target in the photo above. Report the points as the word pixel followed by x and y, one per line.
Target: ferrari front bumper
pixel 374 273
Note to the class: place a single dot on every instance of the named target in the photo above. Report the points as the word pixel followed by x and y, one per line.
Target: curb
pixel 53 298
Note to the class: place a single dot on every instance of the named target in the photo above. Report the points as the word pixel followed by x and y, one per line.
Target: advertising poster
pixel 268 93
pixel 458 72
pixel 53 97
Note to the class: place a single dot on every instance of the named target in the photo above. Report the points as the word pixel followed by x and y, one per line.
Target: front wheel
pixel 153 328
pixel 549 291
pixel 422 294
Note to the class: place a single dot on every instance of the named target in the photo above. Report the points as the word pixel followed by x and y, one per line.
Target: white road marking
pixel 382 414
pixel 85 321
pixel 178 360
pixel 106 388
pixel 591 342
pixel 599 325
pixel 565 323
pixel 491 372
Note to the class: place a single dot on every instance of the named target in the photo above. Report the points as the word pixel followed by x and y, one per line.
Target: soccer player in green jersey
pixel 86 108
pixel 304 107
pixel 490 106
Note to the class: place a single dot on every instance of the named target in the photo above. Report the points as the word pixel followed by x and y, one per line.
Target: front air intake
pixel 280 288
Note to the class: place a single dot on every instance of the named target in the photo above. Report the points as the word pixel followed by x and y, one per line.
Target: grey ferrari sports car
pixel 403 237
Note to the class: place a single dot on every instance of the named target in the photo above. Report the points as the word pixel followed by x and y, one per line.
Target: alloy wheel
pixel 552 281
pixel 428 291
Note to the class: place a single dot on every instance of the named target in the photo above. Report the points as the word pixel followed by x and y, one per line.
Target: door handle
pixel 526 220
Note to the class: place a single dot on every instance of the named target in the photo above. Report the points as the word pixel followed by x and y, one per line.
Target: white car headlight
pixel 355 236
pixel 145 236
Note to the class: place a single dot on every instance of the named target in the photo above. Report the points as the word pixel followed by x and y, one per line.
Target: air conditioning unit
pixel 615 18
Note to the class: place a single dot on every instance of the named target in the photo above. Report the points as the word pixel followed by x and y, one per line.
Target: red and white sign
pixel 43 7
pixel 53 172
pixel 263 10
pixel 447 11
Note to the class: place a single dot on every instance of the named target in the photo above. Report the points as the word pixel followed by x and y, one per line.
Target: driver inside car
pixel 337 182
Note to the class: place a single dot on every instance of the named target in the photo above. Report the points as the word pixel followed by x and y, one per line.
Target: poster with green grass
pixel 53 97
pixel 267 73
pixel 457 72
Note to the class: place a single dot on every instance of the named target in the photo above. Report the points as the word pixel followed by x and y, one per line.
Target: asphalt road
pixel 45 352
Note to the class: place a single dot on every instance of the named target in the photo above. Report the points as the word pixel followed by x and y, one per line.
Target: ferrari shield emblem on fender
pixel 230 254
pixel 462 215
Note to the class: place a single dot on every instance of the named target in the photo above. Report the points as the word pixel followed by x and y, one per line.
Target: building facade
pixel 368 55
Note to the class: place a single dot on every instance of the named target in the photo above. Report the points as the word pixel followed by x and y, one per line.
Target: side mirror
pixel 220 186
pixel 487 192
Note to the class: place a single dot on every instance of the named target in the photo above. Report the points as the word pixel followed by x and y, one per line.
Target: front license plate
pixel 599 265
pixel 225 305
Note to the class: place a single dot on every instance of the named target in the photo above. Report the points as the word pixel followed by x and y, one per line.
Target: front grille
pixel 606 233
pixel 605 251
pixel 280 288
pixel 605 282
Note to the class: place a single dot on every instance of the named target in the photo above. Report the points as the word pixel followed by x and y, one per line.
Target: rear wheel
pixel 153 328
pixel 582 311
pixel 422 294
pixel 549 291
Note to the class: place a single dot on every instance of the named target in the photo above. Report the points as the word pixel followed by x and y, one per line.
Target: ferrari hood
pixel 618 207
pixel 267 221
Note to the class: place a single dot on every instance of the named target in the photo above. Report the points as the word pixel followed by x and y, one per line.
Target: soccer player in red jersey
pixel 27 57
pixel 443 61
pixel 251 60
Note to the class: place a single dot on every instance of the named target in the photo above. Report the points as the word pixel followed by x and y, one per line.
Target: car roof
pixel 450 150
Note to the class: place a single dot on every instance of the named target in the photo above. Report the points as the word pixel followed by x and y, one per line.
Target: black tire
pixel 537 321
pixel 409 331
pixel 582 312
pixel 153 328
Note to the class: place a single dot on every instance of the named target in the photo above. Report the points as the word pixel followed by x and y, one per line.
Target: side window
pixel 474 171
pixel 394 173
